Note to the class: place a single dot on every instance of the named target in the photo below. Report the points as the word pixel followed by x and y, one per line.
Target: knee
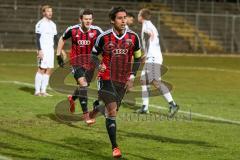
pixel 157 83
pixel 112 113
pixel 82 82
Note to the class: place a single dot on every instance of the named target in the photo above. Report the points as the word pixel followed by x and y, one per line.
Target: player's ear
pixel 112 22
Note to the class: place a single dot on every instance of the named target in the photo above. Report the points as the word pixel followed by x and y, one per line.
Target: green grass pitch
pixel 207 87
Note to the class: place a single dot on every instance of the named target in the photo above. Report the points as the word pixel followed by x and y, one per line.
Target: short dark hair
pixel 145 13
pixel 85 12
pixel 131 15
pixel 114 11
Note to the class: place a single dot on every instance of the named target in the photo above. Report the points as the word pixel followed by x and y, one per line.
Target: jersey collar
pixel 121 36
pixel 80 28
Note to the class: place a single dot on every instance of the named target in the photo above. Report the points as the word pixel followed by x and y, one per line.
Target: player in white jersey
pixel 151 72
pixel 46 35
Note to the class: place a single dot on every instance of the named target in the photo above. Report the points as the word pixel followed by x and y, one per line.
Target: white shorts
pixel 151 70
pixel 48 59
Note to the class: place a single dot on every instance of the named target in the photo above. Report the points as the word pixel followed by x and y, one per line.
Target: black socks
pixel 111 128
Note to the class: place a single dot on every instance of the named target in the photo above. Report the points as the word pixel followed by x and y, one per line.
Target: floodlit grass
pixel 210 86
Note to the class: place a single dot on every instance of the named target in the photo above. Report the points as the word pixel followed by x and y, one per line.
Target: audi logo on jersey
pixel 84 42
pixel 120 51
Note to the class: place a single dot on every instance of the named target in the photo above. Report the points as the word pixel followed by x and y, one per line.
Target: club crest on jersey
pixel 108 47
pixel 91 35
pixel 120 51
pixel 129 42
pixel 84 42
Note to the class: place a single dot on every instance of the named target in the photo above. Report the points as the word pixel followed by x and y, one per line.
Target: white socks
pixel 44 83
pixel 145 96
pixel 38 82
pixel 166 93
pixel 41 83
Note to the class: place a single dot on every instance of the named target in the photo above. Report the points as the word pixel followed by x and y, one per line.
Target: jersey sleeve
pixel 137 48
pixel 38 28
pixel 137 44
pixel 67 34
pixel 147 29
pixel 55 29
pixel 98 47
pixel 99 31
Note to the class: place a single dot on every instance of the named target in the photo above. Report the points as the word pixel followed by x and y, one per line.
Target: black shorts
pixel 111 92
pixel 79 72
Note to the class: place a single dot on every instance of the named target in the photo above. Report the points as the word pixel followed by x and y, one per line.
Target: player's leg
pixel 38 81
pixel 111 126
pixel 45 81
pixel 173 107
pixel 48 64
pixel 72 98
pixel 112 96
pixel 98 105
pixel 145 92
pixel 83 98
pixel 79 75
pixel 145 97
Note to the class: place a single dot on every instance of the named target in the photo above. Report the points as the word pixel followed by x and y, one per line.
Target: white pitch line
pixel 204 68
pixel 21 83
pixel 198 115
pixel 16 64
pixel 18 83
pixel 170 67
pixel 154 106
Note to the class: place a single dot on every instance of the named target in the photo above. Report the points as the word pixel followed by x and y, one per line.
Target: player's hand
pixel 60 61
pixel 129 85
pixel 102 67
pixel 40 54
pixel 64 54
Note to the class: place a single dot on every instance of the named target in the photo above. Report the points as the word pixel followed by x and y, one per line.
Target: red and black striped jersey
pixel 82 44
pixel 117 52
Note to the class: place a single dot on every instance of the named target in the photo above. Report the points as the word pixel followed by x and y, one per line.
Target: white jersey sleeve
pixel 150 41
pixel 55 29
pixel 39 27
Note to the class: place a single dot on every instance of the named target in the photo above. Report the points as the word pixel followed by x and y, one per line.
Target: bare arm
pixel 61 43
pixel 60 46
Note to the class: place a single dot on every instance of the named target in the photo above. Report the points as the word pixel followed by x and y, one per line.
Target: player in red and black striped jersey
pixel 117 47
pixel 83 37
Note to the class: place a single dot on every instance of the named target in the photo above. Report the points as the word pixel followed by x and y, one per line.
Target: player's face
pixel 48 13
pixel 140 19
pixel 120 21
pixel 130 21
pixel 87 20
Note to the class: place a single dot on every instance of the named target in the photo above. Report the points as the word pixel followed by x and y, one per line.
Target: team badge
pixel 108 47
pixel 127 44
pixel 91 35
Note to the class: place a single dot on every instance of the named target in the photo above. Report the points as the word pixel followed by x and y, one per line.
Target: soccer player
pixel 130 19
pixel 83 37
pixel 153 61
pixel 46 35
pixel 117 47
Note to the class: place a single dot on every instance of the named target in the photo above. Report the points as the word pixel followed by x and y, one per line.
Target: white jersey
pixel 151 46
pixel 48 30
